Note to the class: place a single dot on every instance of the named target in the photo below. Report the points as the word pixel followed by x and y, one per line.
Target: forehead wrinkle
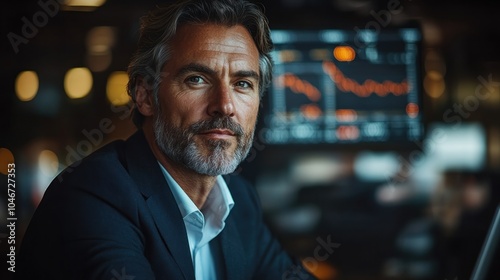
pixel 235 41
pixel 216 47
pixel 230 48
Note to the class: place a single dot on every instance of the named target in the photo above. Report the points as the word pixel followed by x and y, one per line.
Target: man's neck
pixel 196 186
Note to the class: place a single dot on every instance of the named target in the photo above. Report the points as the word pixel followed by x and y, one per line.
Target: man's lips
pixel 218 132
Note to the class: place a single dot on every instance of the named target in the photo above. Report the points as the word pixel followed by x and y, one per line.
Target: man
pixel 155 206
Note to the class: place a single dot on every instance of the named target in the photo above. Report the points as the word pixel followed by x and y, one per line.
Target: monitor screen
pixel 344 86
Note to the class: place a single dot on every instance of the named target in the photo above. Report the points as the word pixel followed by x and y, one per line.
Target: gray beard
pixel 178 145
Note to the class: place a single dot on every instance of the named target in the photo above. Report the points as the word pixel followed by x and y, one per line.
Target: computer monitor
pixel 344 86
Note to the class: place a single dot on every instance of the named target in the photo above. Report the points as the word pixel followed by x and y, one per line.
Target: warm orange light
pixel 434 84
pixel 311 111
pixel 412 110
pixel 116 88
pixel 27 85
pixel 347 132
pixel 81 5
pixel 78 82
pixel 6 158
pixel 322 270
pixel 344 53
pixel 346 115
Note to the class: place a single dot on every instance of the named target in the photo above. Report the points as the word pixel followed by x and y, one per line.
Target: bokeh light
pixel 116 88
pixel 6 157
pixel 82 4
pixel 412 110
pixel 344 53
pixel 434 84
pixel 100 39
pixel 48 162
pixel 78 82
pixel 27 85
pixel 99 42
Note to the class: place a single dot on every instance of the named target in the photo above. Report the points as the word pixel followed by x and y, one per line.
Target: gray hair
pixel 160 25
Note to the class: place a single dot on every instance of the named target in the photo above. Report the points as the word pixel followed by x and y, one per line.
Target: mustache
pixel 216 123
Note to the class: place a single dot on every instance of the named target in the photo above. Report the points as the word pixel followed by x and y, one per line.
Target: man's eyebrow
pixel 195 67
pixel 247 74
pixel 200 68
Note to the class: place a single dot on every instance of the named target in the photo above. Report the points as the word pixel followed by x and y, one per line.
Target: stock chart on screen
pixel 344 86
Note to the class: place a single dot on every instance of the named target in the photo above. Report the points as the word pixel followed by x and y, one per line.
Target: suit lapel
pixel 144 170
pixel 232 250
pixel 233 253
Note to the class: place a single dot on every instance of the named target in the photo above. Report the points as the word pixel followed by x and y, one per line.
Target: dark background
pixel 426 222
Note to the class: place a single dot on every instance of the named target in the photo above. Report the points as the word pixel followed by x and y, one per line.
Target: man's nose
pixel 221 101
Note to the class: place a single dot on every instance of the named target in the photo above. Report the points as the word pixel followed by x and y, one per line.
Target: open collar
pixel 146 173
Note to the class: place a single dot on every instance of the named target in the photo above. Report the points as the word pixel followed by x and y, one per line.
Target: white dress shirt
pixel 203 225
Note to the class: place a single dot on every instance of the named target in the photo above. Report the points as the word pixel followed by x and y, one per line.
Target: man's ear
pixel 144 98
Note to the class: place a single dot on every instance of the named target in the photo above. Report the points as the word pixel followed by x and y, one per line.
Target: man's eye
pixel 195 80
pixel 243 84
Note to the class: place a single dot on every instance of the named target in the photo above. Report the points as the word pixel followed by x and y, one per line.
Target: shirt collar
pixel 219 200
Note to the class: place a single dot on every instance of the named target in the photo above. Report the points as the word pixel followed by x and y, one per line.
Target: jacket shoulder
pixel 107 157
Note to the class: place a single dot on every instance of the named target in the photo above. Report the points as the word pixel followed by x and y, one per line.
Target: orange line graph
pixel 367 87
pixel 298 85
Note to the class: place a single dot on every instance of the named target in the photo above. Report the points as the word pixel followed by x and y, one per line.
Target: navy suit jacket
pixel 113 216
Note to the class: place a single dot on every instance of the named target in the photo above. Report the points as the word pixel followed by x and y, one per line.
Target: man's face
pixel 208 98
